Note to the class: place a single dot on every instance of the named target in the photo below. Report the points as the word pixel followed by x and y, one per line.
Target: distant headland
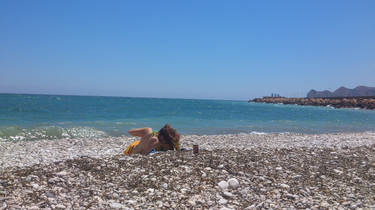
pixel 360 97
pixel 343 92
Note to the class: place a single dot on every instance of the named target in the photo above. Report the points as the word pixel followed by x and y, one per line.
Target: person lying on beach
pixel 165 139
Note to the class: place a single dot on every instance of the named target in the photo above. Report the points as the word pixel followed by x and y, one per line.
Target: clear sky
pixel 186 49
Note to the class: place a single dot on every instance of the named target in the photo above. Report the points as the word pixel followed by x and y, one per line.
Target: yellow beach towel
pixel 129 150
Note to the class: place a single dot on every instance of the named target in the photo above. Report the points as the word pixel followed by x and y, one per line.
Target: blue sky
pixel 185 49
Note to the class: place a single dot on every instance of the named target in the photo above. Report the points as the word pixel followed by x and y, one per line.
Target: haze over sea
pixel 31 117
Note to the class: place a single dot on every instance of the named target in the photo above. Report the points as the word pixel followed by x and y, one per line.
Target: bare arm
pixel 147 141
pixel 140 132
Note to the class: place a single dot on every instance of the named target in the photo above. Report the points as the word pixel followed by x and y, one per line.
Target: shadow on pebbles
pixel 219 179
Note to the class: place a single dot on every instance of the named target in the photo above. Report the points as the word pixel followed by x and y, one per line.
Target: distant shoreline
pixel 362 102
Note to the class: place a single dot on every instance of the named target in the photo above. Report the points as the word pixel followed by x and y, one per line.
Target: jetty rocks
pixel 362 97
pixel 365 102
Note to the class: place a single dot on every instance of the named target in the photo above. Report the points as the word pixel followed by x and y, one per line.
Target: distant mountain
pixel 343 92
pixel 319 94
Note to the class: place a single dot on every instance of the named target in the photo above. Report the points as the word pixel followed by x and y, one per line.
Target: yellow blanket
pixel 129 150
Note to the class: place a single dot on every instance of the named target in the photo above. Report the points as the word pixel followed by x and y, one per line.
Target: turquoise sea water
pixel 28 117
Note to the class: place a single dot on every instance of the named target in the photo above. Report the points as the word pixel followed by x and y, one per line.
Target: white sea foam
pixel 258 133
pixel 48 132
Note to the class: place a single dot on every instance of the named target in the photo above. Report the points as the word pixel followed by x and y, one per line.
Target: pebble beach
pixel 237 171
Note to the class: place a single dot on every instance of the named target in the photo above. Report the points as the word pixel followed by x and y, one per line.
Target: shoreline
pixel 243 171
pixel 27 153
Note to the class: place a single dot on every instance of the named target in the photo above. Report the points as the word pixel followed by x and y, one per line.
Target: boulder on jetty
pixel 339 102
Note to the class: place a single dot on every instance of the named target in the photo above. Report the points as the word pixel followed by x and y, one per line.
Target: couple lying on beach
pixel 165 139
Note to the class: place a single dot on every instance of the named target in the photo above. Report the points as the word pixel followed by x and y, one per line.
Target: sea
pixel 25 117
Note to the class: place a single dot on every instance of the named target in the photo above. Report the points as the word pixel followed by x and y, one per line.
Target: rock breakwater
pixel 340 102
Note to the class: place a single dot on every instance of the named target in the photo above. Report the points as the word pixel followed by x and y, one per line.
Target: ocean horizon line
pixel 118 96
